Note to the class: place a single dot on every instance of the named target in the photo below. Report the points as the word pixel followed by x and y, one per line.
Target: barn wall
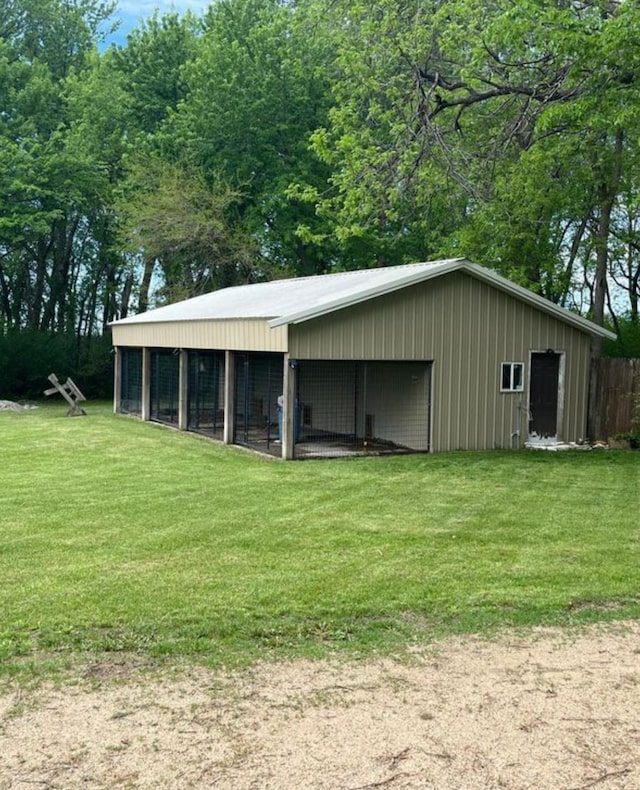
pixel 466 328
pixel 334 413
pixel 382 401
pixel 233 335
pixel 393 393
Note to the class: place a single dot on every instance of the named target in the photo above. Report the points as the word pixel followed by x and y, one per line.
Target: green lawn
pixel 121 536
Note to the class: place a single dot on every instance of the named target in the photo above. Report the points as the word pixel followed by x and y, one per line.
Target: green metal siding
pixel 466 328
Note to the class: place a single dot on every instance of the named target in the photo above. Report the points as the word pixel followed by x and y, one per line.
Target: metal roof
pixel 301 299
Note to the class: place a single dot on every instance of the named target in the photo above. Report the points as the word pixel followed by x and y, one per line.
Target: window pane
pixel 517 376
pixel 506 376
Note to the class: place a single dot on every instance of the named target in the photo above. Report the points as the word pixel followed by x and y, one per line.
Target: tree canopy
pixel 268 138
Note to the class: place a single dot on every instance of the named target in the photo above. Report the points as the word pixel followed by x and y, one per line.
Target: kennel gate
pixel 205 410
pixel 131 381
pixel 257 387
pixel 165 385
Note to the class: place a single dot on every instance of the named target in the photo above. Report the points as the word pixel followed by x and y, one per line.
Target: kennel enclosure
pixel 419 357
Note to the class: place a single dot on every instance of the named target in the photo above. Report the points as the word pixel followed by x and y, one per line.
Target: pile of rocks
pixel 12 406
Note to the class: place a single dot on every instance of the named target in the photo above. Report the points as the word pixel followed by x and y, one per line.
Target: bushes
pixel 27 357
pixel 628 341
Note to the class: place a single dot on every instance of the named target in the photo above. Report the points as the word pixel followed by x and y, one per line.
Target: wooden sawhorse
pixel 69 392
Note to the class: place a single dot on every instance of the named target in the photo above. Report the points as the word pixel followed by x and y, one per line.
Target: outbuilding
pixel 421 357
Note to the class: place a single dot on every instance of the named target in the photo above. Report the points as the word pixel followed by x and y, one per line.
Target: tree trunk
pixel 5 301
pixel 145 283
pixel 126 295
pixel 109 302
pixel 36 303
pixel 54 317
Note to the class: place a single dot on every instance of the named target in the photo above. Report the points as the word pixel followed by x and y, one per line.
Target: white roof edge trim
pixel 123 322
pixel 439 269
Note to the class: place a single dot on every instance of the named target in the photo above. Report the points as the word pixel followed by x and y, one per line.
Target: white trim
pixel 183 390
pixel 561 392
pixel 117 379
pixel 229 396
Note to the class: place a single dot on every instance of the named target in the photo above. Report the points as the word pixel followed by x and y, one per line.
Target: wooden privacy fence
pixel 619 386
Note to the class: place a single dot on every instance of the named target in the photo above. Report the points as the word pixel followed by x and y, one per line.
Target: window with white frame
pixel 511 377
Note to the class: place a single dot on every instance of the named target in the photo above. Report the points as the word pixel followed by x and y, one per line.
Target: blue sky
pixel 132 12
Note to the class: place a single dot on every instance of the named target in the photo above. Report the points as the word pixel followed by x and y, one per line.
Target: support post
pixel 288 408
pixel 117 379
pixel 229 395
pixel 145 397
pixel 183 390
pixel 594 400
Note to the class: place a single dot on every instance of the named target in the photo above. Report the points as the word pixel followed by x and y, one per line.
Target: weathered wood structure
pixel 619 382
pixel 70 392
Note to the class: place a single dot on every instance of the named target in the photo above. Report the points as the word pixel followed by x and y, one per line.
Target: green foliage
pixel 256 91
pixel 151 67
pixel 27 358
pixel 627 343
pixel 503 132
pixel 191 227
pixel 56 33
pixel 391 198
pixel 121 536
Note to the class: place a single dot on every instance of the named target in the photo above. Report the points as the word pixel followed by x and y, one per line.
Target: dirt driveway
pixel 546 710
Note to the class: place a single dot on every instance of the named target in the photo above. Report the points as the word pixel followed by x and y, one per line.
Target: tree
pixel 100 114
pixel 189 227
pixel 390 193
pixel 256 90
pixel 522 113
pixel 150 67
pixel 50 183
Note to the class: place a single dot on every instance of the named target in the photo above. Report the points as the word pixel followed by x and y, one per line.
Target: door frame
pixel 561 387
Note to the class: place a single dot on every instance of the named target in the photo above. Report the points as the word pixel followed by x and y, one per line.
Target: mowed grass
pixel 117 535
